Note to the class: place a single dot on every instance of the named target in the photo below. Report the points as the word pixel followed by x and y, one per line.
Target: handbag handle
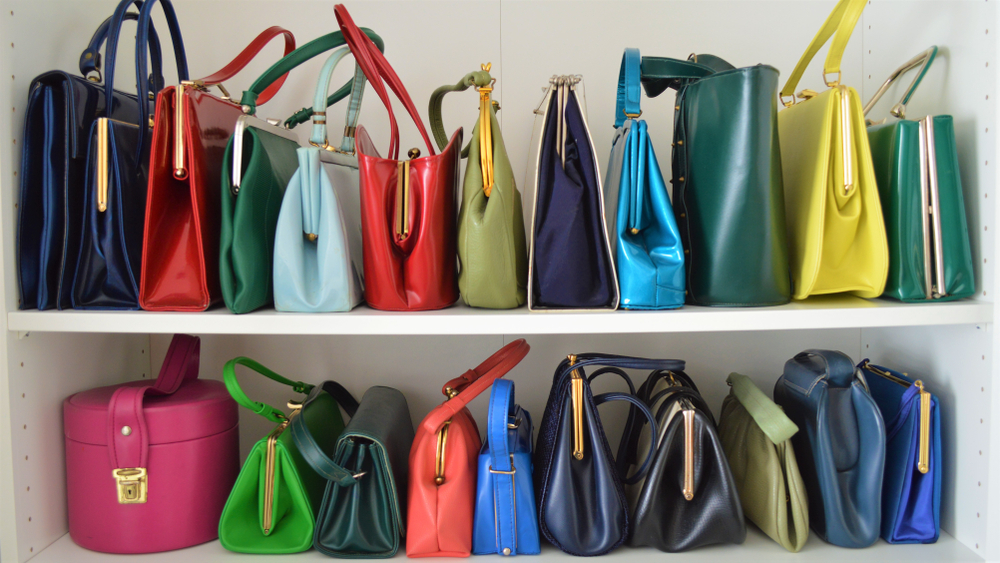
pixel 463 389
pixel 500 410
pixel 128 437
pixel 479 79
pixel 839 24
pixel 281 68
pixel 306 443
pixel 320 133
pixel 923 60
pixel 90 58
pixel 641 473
pixel 768 416
pixel 233 386
pixel 626 362
pixel 377 69
pixel 627 103
pixel 246 55
pixel 658 74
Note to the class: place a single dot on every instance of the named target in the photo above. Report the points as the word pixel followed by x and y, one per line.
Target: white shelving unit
pixel 953 347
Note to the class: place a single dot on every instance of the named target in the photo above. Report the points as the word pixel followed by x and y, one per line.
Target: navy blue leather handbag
pixel 911 488
pixel 569 257
pixel 840 445
pixel 650 256
pixel 114 204
pixel 505 520
pixel 61 109
pixel 582 508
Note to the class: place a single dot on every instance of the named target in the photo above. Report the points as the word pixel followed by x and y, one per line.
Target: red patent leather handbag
pixel 180 254
pixel 443 460
pixel 408 207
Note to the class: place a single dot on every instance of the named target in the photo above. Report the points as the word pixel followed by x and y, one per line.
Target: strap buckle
pixel 512 471
pixel 632 115
pixel 830 84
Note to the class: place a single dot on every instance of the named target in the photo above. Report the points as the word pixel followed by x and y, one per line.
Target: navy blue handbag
pixel 569 263
pixel 61 108
pixel 582 508
pixel 840 446
pixel 911 488
pixel 114 203
pixel 505 520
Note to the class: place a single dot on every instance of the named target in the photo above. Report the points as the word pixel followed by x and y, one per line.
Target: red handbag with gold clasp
pixel 443 463
pixel 180 254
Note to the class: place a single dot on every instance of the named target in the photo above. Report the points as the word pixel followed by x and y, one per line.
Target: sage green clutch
pixel 491 242
pixel 755 435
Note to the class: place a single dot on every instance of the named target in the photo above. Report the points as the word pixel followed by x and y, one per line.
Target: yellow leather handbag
pixel 836 234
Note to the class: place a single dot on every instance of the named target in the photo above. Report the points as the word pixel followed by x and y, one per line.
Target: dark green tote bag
pixel 260 160
pixel 728 197
pixel 916 169
pixel 272 507
pixel 364 505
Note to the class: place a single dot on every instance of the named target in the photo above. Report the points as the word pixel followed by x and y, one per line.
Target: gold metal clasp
pixel 577 400
pixel 831 83
pixel 132 485
pixel 180 168
pixel 924 454
pixel 807 94
pixel 102 163
pixel 845 138
pixel 688 489
pixel 270 462
pixel 442 443
pixel 403 195
pixel 486 134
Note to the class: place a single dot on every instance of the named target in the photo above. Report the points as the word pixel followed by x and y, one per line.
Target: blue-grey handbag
pixel 317 245
pixel 840 445
pixel 650 256
pixel 505 520
pixel 911 489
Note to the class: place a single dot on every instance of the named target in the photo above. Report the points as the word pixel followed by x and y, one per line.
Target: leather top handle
pixel 840 24
pixel 627 104
pixel 314 455
pixel 145 17
pixel 640 474
pixel 233 386
pixel 377 69
pixel 768 416
pixel 320 133
pixel 90 58
pixel 658 74
pixel 923 60
pixel 248 54
pixel 281 68
pixel 479 79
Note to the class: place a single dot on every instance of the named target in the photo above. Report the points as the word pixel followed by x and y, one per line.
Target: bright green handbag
pixel 272 507
pixel 259 162
pixel 916 168
pixel 491 242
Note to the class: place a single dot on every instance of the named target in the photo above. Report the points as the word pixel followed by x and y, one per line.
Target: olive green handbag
pixel 259 162
pixel 491 242
pixel 272 507
pixel 755 436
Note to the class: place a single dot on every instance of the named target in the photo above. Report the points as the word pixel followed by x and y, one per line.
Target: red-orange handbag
pixel 180 254
pixel 443 462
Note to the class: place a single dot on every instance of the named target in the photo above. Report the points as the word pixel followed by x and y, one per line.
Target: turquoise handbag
pixel 649 254
pixel 317 244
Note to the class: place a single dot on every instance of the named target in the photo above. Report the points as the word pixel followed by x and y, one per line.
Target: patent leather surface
pixel 181 430
pixel 506 522
pixel 896 157
pixel 840 445
pixel 731 217
pixel 911 500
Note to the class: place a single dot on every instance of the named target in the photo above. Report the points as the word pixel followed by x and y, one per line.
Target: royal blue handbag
pixel 911 488
pixel 650 256
pixel 840 446
pixel 109 261
pixel 61 108
pixel 505 520
pixel 317 243
pixel 569 257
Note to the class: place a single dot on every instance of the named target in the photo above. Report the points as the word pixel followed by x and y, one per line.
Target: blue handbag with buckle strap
pixel 649 254
pixel 505 521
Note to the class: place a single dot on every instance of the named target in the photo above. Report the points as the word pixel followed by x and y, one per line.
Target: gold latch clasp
pixel 403 195
pixel 577 400
pixel 924 454
pixel 102 163
pixel 442 443
pixel 486 134
pixel 688 489
pixel 132 485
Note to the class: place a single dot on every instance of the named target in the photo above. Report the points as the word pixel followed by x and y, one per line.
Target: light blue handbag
pixel 506 520
pixel 317 246
pixel 649 254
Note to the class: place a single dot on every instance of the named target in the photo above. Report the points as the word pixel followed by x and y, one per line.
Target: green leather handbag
pixel 916 169
pixel 362 515
pixel 259 161
pixel 272 507
pixel 491 241
pixel 755 435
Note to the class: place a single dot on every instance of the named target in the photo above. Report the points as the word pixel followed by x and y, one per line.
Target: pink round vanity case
pixel 149 465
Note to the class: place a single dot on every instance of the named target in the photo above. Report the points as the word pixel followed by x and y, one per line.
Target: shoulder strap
pixel 233 386
pixel 502 464
pixel 661 73
pixel 128 437
pixel 479 79
pixel 769 416
pixel 307 445
pixel 320 133
pixel 838 25
pixel 627 105
pixel 247 55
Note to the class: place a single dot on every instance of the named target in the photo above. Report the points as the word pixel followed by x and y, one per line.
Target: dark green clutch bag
pixel 272 507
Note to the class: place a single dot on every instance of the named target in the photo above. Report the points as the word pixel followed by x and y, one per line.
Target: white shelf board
pixel 757 548
pixel 816 313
